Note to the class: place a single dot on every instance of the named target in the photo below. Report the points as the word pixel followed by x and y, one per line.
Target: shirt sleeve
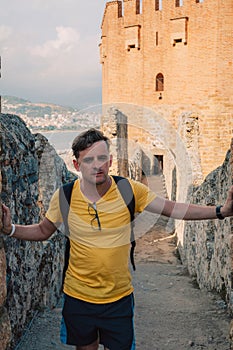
pixel 143 195
pixel 53 213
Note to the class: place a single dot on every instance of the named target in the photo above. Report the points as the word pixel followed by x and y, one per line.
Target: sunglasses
pixel 95 221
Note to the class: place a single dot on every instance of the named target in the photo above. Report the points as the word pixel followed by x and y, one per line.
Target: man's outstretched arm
pixel 35 232
pixel 185 211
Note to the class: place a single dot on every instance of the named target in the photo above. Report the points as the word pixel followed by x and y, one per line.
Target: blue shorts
pixel 83 323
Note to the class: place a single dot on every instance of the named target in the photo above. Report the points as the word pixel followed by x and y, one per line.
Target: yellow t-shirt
pixel 98 270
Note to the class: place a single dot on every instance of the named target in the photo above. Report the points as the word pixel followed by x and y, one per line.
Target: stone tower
pixel 174 57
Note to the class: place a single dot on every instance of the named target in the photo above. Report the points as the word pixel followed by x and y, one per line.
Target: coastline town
pixel 49 117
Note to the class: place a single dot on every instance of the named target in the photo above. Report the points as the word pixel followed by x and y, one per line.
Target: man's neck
pixel 95 191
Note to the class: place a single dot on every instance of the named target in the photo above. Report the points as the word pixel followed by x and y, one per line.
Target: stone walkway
pixel 170 314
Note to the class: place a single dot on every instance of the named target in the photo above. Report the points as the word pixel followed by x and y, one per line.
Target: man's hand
pixel 34 232
pixel 227 209
pixel 6 220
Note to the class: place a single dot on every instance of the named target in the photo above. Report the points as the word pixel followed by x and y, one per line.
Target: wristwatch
pixel 218 212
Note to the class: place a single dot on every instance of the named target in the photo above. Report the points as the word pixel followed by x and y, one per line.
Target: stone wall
pixel 5 329
pixel 127 154
pixel 207 248
pixel 31 171
pixel 114 126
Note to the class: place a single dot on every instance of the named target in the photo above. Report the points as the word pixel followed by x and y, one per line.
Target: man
pixel 98 306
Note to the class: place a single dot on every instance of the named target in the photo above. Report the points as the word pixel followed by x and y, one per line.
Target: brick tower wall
pixel 191 46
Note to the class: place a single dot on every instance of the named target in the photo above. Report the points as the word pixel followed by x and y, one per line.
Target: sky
pixel 50 50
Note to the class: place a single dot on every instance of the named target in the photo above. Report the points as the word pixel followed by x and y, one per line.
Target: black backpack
pixel 127 194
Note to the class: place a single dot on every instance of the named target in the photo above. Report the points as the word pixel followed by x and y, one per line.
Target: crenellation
pixel 131 8
pixel 112 9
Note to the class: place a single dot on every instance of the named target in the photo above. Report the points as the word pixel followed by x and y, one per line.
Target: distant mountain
pixel 46 116
pixel 18 106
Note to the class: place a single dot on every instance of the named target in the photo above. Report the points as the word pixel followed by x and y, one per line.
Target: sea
pixel 61 140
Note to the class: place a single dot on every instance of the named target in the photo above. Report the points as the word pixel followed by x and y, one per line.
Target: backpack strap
pixel 65 192
pixel 126 192
pixel 64 201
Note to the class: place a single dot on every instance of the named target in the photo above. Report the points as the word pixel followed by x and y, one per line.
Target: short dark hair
pixel 87 139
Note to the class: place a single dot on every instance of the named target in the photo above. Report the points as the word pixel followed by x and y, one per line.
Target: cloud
pixel 67 39
pixel 57 61
pixel 5 32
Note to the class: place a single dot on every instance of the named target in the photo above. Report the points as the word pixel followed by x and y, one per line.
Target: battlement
pixel 112 8
pixel 131 7
pixel 118 9
pixel 126 8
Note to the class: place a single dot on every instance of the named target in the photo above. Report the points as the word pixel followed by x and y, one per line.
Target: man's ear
pixel 76 165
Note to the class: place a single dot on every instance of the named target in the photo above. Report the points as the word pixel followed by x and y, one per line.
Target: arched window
pixel 159 82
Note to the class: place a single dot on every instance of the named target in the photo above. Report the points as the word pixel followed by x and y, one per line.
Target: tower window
pixel 157 38
pixel 179 3
pixel 179 30
pixel 132 37
pixel 159 82
pixel 158 5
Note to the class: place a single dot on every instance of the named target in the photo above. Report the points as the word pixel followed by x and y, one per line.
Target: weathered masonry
pixel 30 272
